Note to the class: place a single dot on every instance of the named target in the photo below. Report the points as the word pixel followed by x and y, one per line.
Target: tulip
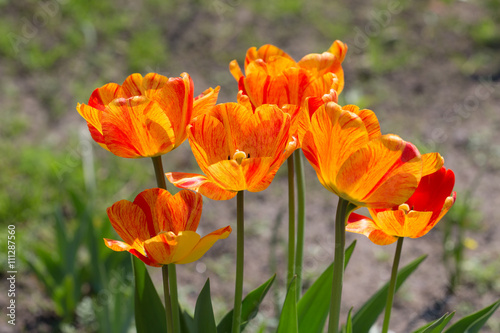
pixel 144 117
pixel 432 199
pixel 237 149
pixel 160 228
pixel 273 77
pixel 353 160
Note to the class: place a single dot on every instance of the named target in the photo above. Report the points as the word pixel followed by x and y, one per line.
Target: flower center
pixel 170 235
pixel 404 207
pixel 239 156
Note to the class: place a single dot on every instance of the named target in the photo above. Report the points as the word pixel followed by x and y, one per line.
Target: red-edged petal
pixel 362 225
pixel 383 174
pixel 200 184
pixel 130 223
pixel 103 96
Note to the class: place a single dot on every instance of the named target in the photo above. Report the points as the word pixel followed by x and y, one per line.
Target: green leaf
pixel 187 322
pixel 474 322
pixel 249 307
pixel 288 319
pixel 364 319
pixel 149 310
pixel 203 311
pixel 313 307
pixel 348 326
pixel 436 326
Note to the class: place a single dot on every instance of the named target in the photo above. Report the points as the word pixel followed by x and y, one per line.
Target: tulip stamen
pixel 404 207
pixel 239 156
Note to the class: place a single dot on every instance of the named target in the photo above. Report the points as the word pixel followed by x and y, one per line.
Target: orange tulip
pixel 144 117
pixel 419 214
pixel 273 77
pixel 160 228
pixel 353 160
pixel 237 149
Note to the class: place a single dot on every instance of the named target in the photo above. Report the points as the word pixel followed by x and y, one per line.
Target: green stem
pixel 168 302
pixel 392 285
pixel 343 210
pixel 172 275
pixel 169 271
pixel 291 221
pixel 159 173
pixel 238 287
pixel 301 217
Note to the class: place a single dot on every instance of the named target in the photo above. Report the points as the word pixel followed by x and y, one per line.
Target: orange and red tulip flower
pixel 419 214
pixel 273 77
pixel 237 149
pixel 160 228
pixel 353 160
pixel 144 117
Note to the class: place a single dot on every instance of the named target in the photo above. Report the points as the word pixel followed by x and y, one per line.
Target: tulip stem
pixel 344 208
pixel 169 271
pixel 172 275
pixel 159 173
pixel 301 217
pixel 392 285
pixel 291 221
pixel 240 238
pixel 168 306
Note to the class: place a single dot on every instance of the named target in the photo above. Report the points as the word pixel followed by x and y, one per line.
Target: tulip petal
pixel 204 102
pixel 92 115
pixel 322 85
pixel 176 100
pixel 362 225
pixel 148 200
pixel 179 212
pixel 132 86
pixel 431 163
pixel 235 70
pixel 369 119
pixel 130 223
pixel 200 184
pixel 167 248
pixel 120 246
pixel 103 96
pixel 432 192
pixel 334 135
pixel 339 49
pixel 205 244
pixel 266 52
pixel 137 127
pixel 383 174
pixel 152 84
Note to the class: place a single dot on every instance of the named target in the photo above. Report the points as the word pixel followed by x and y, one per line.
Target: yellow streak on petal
pixel 204 245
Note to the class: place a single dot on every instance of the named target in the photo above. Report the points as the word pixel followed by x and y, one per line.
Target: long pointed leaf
pixel 436 326
pixel 313 307
pixel 288 318
pixel 348 325
pixel 203 312
pixel 187 322
pixel 474 322
pixel 249 307
pixel 364 319
pixel 149 310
